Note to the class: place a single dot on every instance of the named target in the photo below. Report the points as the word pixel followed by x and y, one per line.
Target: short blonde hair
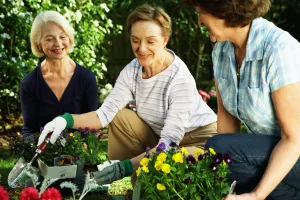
pixel 148 13
pixel 44 18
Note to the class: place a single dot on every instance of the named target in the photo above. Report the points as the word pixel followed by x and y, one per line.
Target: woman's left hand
pixel 246 196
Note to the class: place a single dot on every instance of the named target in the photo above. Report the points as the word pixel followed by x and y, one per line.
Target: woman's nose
pixel 142 47
pixel 58 41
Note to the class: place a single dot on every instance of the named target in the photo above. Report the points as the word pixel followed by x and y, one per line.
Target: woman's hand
pixel 246 196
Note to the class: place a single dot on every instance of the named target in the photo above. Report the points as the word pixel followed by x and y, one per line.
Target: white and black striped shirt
pixel 168 102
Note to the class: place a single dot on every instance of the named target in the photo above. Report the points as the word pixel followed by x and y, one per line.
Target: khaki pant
pixel 129 135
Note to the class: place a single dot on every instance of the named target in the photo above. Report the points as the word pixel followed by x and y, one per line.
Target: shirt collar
pixel 254 43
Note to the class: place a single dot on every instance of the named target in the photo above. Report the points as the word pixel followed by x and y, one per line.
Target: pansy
pixel 187 180
pixel 212 151
pixel 191 159
pixel 166 168
pixel 184 151
pixel 138 171
pixel 160 186
pixel 177 157
pixel 144 162
pixel 160 147
pixel 217 158
pixel 173 144
pixel 158 165
pixel 227 158
pixel 145 169
pixel 198 152
pixel 162 157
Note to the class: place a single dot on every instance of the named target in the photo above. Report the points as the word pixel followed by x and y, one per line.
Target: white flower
pixel 103 5
pixel 103 91
pixel 108 86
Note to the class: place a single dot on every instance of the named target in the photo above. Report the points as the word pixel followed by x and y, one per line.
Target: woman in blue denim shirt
pixel 257 74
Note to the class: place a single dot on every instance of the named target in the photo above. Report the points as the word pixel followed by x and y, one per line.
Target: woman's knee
pixel 222 143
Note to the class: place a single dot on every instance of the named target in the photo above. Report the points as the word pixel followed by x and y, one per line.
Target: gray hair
pixel 44 18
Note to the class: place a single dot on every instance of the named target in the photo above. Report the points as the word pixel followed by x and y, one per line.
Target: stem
pixel 175 192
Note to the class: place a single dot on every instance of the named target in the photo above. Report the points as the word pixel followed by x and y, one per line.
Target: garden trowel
pixel 20 174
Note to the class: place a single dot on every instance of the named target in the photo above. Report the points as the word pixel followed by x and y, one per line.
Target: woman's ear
pixel 39 47
pixel 166 39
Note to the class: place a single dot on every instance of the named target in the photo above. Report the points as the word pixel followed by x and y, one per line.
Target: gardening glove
pixel 115 171
pixel 56 126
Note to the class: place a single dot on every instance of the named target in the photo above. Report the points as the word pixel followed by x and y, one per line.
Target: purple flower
pixel 41 129
pixel 80 129
pixel 148 149
pixel 173 144
pixel 160 147
pixel 100 135
pixel 67 134
pixel 213 167
pixel 227 158
pixel 201 157
pixel 190 159
pixel 217 158
pixel 75 158
pixel 220 179
pixel 187 180
pixel 86 128
pixel 94 130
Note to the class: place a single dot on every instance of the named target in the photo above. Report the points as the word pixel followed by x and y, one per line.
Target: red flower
pixel 29 193
pixel 51 194
pixel 204 95
pixel 3 194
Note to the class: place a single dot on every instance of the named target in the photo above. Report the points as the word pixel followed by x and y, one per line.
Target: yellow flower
pixel 184 151
pixel 178 158
pixel 71 135
pixel 212 151
pixel 198 152
pixel 145 169
pixel 162 157
pixel 158 165
pixel 144 162
pixel 138 171
pixel 223 163
pixel 160 186
pixel 166 168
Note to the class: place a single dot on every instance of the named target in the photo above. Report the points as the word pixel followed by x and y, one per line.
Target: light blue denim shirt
pixel 272 61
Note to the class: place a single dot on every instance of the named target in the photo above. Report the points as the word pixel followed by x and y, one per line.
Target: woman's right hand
pixel 56 126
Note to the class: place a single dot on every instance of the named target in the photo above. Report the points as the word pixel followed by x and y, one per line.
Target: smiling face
pixel 148 43
pixel 216 27
pixel 54 42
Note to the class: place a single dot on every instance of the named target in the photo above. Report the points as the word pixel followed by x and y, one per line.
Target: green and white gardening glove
pixel 113 172
pixel 56 126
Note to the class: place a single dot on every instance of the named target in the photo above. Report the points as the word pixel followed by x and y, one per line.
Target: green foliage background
pixel 96 22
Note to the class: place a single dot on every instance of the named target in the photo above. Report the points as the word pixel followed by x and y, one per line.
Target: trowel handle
pixel 43 146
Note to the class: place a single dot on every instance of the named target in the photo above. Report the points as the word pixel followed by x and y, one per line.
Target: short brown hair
pixel 236 13
pixel 148 13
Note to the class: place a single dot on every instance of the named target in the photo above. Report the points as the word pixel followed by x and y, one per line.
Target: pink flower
pixel 212 93
pixel 3 194
pixel 51 194
pixel 204 95
pixel 29 193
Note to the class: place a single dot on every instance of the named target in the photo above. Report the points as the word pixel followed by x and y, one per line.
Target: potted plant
pixel 83 147
pixel 176 174
pixel 93 148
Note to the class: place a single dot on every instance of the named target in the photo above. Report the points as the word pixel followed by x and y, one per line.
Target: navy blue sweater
pixel 40 105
